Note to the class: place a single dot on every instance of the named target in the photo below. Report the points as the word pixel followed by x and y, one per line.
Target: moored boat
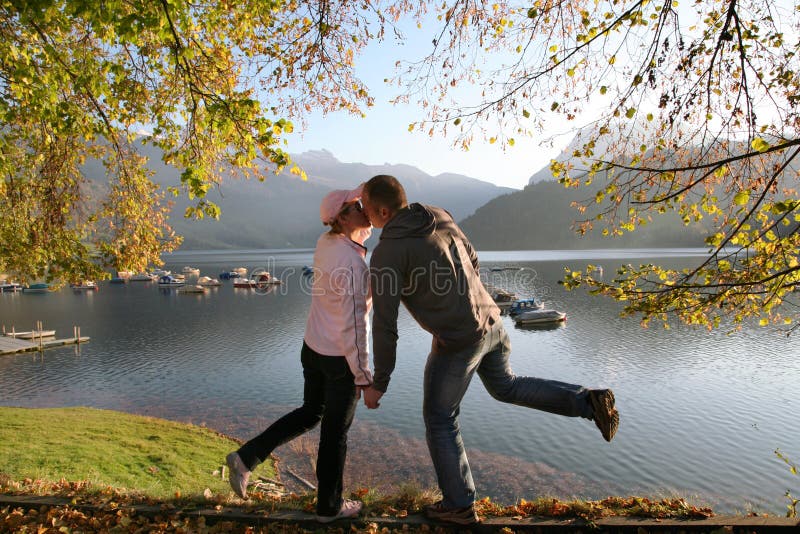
pixel 40 287
pixel 191 270
pixel 263 278
pixel 85 285
pixel 501 297
pixel 539 317
pixel 244 283
pixel 169 281
pixel 10 287
pixel 523 305
pixel 207 281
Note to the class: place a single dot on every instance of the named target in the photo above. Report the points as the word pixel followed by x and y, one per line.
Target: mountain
pixel 283 210
pixel 541 217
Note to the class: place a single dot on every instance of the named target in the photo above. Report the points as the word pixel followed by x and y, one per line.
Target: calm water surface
pixel 701 413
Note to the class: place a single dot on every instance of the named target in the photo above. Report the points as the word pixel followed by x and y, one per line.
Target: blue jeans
pixel 447 377
pixel 329 396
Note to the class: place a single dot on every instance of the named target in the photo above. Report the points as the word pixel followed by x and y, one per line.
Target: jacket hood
pixel 415 220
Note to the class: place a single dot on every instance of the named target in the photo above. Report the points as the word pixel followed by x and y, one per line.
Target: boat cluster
pixel 186 281
pixel 190 281
pixel 525 311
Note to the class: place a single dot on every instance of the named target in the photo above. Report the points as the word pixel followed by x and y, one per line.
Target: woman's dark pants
pixel 329 396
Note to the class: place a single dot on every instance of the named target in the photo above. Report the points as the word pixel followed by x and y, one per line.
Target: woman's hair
pixel 386 191
pixel 336 226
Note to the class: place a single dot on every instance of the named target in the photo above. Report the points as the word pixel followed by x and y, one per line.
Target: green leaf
pixel 741 198
pixel 630 113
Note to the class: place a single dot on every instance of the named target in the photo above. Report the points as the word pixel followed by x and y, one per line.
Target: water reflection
pixel 701 412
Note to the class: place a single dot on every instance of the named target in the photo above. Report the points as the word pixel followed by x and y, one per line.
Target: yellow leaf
pixel 759 145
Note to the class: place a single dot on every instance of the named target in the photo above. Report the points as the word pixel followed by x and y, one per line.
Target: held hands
pixel 371 396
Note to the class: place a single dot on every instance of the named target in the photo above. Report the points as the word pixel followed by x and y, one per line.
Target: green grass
pixel 153 457
pixel 100 456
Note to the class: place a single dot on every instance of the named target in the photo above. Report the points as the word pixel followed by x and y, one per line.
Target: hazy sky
pixel 383 136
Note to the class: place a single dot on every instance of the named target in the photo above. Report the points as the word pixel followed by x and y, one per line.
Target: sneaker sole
pixel 605 413
pixel 232 475
pixel 440 516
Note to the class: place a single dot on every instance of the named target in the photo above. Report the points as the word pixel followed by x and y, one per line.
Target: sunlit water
pixel 701 413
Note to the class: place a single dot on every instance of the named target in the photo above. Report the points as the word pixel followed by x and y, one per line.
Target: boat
pixel 168 280
pixel 191 270
pixel 207 281
pixel 143 277
pixel 10 287
pixel 191 289
pixel 85 285
pixel 125 274
pixel 244 283
pixel 31 334
pixel 501 297
pixel 522 305
pixel 241 270
pixel 178 276
pixel 539 317
pixel 162 272
pixel 230 275
pixel 36 288
pixel 263 278
pixel 308 271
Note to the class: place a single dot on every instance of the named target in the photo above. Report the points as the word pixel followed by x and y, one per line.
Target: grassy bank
pixel 154 457
pixel 109 458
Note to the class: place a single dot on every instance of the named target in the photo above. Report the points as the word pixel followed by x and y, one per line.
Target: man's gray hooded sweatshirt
pixel 426 262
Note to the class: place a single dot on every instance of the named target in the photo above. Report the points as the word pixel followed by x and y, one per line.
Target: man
pixel 425 261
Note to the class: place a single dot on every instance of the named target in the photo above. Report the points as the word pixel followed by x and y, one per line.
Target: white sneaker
pixel 238 474
pixel 349 509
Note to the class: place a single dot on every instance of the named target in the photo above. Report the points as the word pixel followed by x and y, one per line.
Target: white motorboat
pixel 540 317
pixel 207 281
pixel 85 285
pixel 169 281
pixel 523 305
pixel 191 270
pixel 143 277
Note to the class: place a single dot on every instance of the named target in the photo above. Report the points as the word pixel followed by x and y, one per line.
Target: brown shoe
pixel 605 414
pixel 459 516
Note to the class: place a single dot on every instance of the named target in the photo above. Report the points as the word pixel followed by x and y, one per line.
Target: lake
pixel 701 412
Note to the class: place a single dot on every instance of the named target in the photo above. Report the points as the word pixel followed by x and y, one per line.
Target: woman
pixel 335 358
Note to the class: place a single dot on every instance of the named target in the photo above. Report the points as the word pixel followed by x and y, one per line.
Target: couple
pixel 424 261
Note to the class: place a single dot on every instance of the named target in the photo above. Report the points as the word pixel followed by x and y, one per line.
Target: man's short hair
pixel 386 191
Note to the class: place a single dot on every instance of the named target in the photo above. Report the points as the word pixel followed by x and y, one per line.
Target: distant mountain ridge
pixel 283 211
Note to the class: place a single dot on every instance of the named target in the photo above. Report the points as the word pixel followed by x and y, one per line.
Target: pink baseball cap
pixel 334 201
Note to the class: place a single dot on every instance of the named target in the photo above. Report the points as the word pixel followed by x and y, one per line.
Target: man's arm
pixel 387 283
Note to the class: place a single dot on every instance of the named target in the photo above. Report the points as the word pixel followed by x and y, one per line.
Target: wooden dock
pixel 12 345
